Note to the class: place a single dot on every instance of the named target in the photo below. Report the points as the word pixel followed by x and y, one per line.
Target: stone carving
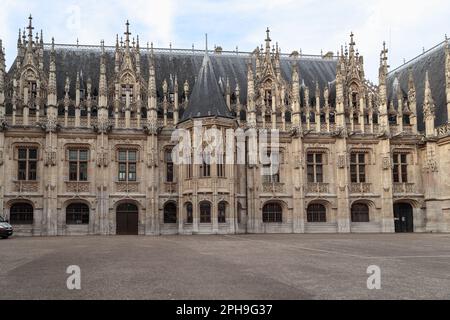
pixel 387 163
pixel 50 157
pixel 102 159
pixel 341 161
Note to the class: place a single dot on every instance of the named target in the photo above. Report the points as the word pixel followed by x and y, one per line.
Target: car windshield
pixel 2 220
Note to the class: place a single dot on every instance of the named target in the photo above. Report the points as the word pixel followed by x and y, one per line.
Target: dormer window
pixel 127 90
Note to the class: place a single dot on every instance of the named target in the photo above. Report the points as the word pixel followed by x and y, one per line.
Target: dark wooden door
pixel 403 217
pixel 127 219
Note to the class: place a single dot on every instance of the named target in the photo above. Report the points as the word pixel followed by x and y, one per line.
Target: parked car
pixel 6 230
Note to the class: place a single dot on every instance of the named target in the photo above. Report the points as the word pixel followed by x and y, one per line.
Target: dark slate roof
pixel 206 99
pixel 433 61
pixel 185 64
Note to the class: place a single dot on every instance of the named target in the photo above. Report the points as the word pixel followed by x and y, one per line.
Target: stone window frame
pixel 127 147
pixel 67 148
pixel 15 152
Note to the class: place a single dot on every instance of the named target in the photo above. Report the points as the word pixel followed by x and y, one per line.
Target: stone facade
pixel 85 136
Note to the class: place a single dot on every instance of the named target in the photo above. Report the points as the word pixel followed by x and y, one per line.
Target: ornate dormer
pixel 270 87
pixel 128 83
pixel 30 83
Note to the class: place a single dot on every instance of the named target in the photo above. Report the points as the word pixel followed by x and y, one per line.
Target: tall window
pixel 170 213
pixel 315 167
pixel 205 212
pixel 77 213
pixel 316 213
pixel 21 213
pixel 78 165
pixel 271 171
pixel 169 166
pixel 27 164
pixel 400 169
pixel 221 166
pixel 360 212
pixel 127 165
pixel 205 170
pixel 358 167
pixel 272 213
pixel 189 213
pixel 222 212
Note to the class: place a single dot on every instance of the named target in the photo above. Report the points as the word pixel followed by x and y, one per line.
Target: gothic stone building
pixel 85 140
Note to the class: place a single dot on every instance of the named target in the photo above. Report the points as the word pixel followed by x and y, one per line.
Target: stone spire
pixel 429 109
pixel 127 34
pixel 412 100
pixel 151 103
pixel 52 94
pixel 251 96
pixel 30 29
pixel 384 118
pixel 103 85
pixel 296 114
pixel 340 113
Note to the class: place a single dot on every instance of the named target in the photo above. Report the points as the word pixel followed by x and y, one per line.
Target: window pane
pixel 73 171
pixel 132 155
pixel 319 174
pixel 310 169
pixel 122 156
pixel 33 154
pixel 73 155
pixel 83 171
pixel 403 156
pixel 32 170
pixel 83 155
pixel 353 158
pixel 22 153
pixel 361 157
pixel 122 171
pixel 311 158
pixel 319 158
pixel 22 175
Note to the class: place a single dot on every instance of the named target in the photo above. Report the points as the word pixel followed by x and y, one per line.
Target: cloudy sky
pixel 312 26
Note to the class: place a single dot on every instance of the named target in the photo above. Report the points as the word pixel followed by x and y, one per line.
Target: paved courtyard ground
pixel 413 266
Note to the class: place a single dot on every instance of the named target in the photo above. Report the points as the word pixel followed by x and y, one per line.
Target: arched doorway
pixel 127 218
pixel 403 217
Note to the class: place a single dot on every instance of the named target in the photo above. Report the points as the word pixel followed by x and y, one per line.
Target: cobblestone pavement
pixel 413 266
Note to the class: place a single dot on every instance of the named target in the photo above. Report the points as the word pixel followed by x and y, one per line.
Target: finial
pixel 206 43
pixel 30 30
pixel 127 34
pixel 268 34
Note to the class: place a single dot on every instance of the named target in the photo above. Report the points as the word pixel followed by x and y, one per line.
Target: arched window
pixel 205 212
pixel 272 213
pixel 360 212
pixel 316 213
pixel 21 213
pixel 77 213
pixel 170 213
pixel 189 213
pixel 222 212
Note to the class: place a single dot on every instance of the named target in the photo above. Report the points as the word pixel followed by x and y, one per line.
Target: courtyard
pixel 259 267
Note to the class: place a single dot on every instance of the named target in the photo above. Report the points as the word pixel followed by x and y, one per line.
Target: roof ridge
pixel 417 57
